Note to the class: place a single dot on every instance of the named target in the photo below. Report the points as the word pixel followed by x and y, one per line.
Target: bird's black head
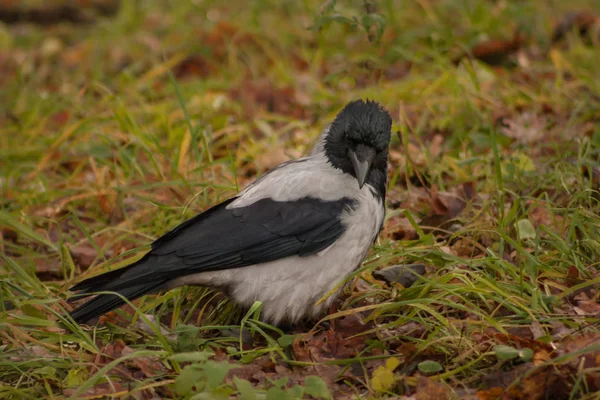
pixel 358 140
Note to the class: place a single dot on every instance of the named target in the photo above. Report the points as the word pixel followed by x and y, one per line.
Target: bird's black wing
pixel 219 238
pixel 263 231
pixel 223 238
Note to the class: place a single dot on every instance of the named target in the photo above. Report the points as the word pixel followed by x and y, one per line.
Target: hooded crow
pixel 286 240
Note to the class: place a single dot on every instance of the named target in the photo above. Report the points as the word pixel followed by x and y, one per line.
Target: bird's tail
pixel 130 283
pixel 104 303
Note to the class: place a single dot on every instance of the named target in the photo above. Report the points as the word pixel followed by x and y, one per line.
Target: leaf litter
pixel 410 341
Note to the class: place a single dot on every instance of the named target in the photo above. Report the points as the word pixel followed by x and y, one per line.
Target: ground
pixel 119 121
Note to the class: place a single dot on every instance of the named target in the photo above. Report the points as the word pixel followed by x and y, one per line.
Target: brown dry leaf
pixel 263 369
pixel 417 157
pixel 541 357
pixel 133 367
pixel 586 305
pixel 271 158
pixel 537 330
pixel 587 363
pixel 226 34
pixel 583 21
pixel 438 203
pixel 300 349
pixel 312 348
pixel 149 366
pixel 526 128
pixel 46 268
pixel 397 157
pixel 466 247
pixel 60 118
pixel 428 389
pixel 28 352
pixel 494 393
pixel 254 373
pixel 399 228
pixel 579 342
pixel 350 325
pixel 541 215
pixel 496 51
pixel 573 276
pixel 408 350
pixel 261 95
pixel 528 382
pixel 105 203
pixel 9 235
pixel 447 205
pixel 561 331
pixel 194 66
pixel 102 390
pixel 516 384
pixel 75 55
pixel 84 255
pixel 114 349
pixel 520 342
pixel 116 318
pixel 397 70
pixel 331 345
pixel 435 145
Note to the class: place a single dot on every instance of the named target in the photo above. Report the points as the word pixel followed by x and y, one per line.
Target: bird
pixel 287 240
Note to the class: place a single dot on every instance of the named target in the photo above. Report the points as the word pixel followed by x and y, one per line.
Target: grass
pixel 113 132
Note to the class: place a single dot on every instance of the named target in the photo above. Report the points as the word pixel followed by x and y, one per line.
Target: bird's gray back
pixel 306 177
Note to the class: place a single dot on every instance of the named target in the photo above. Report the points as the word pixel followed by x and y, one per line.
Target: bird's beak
pixel 362 158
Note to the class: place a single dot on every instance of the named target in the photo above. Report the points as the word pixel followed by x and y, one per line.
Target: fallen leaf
pixel 98 391
pixel 397 70
pixel 537 330
pixel 27 352
pixel 428 389
pixel 383 377
pixel 350 325
pixel 328 345
pixel 430 367
pixel 398 227
pixel 496 51
pixel 494 393
pixel 84 255
pixel 541 357
pixel 405 275
pixel 148 366
pixel 47 268
pixel 541 215
pixel 447 206
pixel 435 145
pixel 60 118
pixel 577 343
pixel 516 384
pixel 193 66
pixel 582 21
pixel 589 307
pixel 261 95
pixel 269 159
pixel 526 128
pixel 438 203
pixel 525 229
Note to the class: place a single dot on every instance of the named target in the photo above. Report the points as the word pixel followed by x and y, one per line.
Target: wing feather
pixel 223 238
